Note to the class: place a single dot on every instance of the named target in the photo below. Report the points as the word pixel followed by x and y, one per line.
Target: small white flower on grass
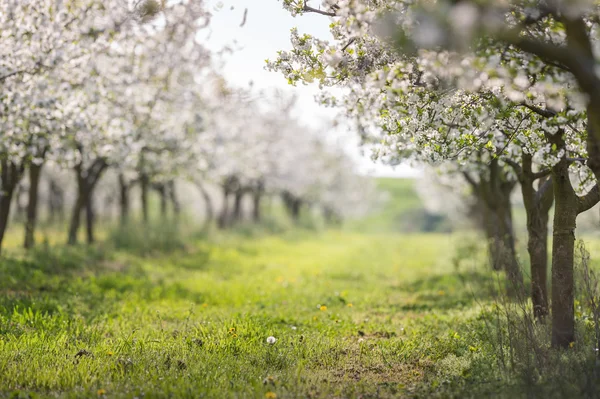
pixel 294 328
pixel 271 340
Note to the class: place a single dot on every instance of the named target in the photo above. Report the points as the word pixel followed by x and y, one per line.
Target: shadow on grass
pixel 448 291
pixel 65 283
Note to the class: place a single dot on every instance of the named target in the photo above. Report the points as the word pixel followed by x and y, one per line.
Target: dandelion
pixel 349 305
pixel 571 344
pixel 270 395
pixel 323 308
pixel 205 305
pixel 101 392
pixel 271 340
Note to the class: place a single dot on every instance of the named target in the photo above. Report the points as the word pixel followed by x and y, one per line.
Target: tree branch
pixel 546 113
pixel 589 200
pixel 308 8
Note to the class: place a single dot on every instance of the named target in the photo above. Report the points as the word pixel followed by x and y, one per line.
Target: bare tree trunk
pixel 76 213
pixel 86 182
pixel 492 193
pixel 123 200
pixel 537 206
pixel 11 174
pixel 537 247
pixel 32 204
pixel 90 216
pixel 563 252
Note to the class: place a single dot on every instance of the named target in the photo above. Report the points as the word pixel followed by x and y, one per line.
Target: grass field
pixel 377 315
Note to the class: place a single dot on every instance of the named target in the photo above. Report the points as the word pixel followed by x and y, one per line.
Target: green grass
pixel 349 312
pixel 377 315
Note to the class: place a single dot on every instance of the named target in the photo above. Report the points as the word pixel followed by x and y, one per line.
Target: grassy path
pixel 370 315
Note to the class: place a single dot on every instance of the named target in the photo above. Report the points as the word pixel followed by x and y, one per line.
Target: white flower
pixel 271 340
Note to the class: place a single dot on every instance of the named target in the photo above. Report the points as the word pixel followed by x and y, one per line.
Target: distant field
pixel 395 208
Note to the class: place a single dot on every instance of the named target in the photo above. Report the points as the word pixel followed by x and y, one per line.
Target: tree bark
pixel 537 207
pixel 493 191
pixel 123 200
pixel 32 204
pixel 76 213
pixel 90 216
pixel 11 174
pixel 86 182
pixel 563 252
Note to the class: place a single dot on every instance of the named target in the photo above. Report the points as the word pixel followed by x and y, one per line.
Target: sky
pixel 265 31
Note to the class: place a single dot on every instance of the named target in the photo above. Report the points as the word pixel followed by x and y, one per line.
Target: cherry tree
pixel 443 96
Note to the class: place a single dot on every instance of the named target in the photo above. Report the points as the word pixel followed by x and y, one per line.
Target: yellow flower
pixel 234 335
pixel 280 279
pixel 205 305
pixel 110 353
pixel 271 395
pixel 349 305
pixel 572 344
pixel 232 330
pixel 323 308
pixel 101 392
pixel 441 292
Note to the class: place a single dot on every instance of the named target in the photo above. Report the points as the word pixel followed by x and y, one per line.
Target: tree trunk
pixel 296 206
pixel 56 202
pixel 11 175
pixel 493 191
pixel 537 246
pixel 173 198
pixel 144 196
pixel 209 212
pixel 237 205
pixel 123 200
pixel 256 200
pixel 163 201
pixel 76 213
pixel 34 180
pixel 86 182
pixel 224 216
pixel 89 216
pixel 563 252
